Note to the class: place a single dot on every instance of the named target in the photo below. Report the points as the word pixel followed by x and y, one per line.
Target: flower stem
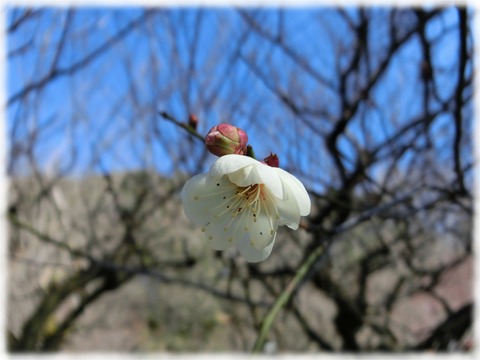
pixel 285 297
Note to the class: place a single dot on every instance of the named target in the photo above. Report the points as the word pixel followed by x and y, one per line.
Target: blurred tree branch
pixel 362 104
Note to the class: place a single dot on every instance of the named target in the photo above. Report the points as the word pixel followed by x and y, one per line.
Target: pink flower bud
pixel 193 121
pixel 226 139
pixel 272 160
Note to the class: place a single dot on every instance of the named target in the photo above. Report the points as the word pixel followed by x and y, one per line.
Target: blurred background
pixel 371 108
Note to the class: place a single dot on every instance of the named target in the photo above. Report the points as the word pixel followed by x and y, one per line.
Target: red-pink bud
pixel 193 121
pixel 226 139
pixel 272 160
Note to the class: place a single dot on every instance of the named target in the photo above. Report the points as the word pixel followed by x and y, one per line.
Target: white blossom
pixel 242 201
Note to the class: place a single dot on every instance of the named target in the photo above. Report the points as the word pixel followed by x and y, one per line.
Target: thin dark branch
pixel 26 15
pixel 463 58
pixel 184 126
pixel 56 73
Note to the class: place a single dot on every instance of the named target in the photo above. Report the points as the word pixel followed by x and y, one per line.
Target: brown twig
pixel 185 126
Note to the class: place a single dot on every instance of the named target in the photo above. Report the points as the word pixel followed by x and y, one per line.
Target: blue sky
pixel 182 60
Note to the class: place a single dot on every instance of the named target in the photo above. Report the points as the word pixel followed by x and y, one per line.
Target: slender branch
pixel 56 73
pixel 28 14
pixel 463 58
pixel 184 126
pixel 285 297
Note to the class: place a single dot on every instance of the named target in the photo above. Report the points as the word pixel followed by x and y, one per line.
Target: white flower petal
pixel 228 164
pixel 252 254
pixel 298 190
pixel 258 174
pixel 217 237
pixel 203 197
pixel 288 210
pixel 260 239
pixel 225 230
pixel 263 220
pixel 191 192
pixel 244 171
